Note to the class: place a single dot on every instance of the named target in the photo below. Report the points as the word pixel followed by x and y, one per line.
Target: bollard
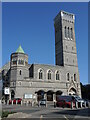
pixel 7 102
pixel 81 104
pixel 39 104
pixel 12 102
pixel 76 105
pixel 16 102
pixel 46 103
pixel 71 105
pixel 21 102
pixel 27 103
pixel 85 104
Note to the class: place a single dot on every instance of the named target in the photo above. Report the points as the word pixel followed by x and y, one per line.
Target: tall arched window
pixel 20 72
pixel 68 33
pixel 21 62
pixel 68 76
pixel 65 32
pixel 40 74
pixel 74 77
pixel 49 75
pixel 57 75
pixel 71 32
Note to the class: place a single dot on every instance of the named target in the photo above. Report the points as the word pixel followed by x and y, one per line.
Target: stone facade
pixel 48 81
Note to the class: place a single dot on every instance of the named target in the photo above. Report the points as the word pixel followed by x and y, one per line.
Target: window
pixel 40 74
pixel 68 76
pixel 71 32
pixel 49 74
pixel 14 62
pixel 65 31
pixel 68 33
pixel 74 77
pixel 21 62
pixel 57 75
pixel 20 72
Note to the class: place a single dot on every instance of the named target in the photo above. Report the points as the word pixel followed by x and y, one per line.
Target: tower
pixel 65 44
pixel 18 68
pixel 65 49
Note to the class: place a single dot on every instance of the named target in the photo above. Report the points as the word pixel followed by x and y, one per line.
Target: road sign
pixel 6 91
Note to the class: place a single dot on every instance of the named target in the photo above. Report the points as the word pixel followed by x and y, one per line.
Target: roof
pixel 20 50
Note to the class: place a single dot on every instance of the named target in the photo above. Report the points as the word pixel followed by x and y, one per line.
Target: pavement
pixel 45 113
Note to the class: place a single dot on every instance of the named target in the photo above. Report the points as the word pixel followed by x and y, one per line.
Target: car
pixel 79 100
pixel 43 102
pixel 65 101
pixel 14 101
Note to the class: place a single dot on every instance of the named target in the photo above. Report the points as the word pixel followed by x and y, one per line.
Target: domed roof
pixel 20 50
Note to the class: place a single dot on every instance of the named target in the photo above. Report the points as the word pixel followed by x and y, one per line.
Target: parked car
pixel 65 101
pixel 79 100
pixel 14 101
pixel 43 102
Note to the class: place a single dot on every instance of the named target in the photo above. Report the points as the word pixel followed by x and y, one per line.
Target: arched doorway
pixel 12 94
pixel 50 95
pixel 72 91
pixel 40 95
pixel 58 93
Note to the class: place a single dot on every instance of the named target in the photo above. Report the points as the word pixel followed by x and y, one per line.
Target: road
pixel 42 113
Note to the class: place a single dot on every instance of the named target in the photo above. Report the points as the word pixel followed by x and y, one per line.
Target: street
pixel 43 113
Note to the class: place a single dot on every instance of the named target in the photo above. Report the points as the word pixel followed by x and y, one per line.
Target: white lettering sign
pixel 28 96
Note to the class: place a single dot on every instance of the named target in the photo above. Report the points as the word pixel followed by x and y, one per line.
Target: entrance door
pixel 40 95
pixel 50 95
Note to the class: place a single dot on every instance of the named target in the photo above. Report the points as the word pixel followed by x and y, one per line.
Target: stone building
pixel 46 81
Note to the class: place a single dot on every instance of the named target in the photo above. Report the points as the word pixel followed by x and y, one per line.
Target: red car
pixel 65 101
pixel 14 101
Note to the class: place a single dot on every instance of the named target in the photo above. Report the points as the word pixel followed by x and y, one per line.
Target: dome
pixel 20 50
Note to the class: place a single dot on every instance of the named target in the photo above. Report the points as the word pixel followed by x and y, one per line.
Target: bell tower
pixel 65 44
pixel 65 49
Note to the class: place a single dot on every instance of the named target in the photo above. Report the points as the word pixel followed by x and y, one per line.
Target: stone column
pixel 45 96
pixel 10 96
pixel 54 96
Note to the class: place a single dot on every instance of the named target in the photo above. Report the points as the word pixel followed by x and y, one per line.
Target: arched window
pixel 71 33
pixel 65 32
pixel 21 62
pixel 57 75
pixel 14 62
pixel 74 77
pixel 49 75
pixel 68 76
pixel 40 74
pixel 68 33
pixel 20 72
